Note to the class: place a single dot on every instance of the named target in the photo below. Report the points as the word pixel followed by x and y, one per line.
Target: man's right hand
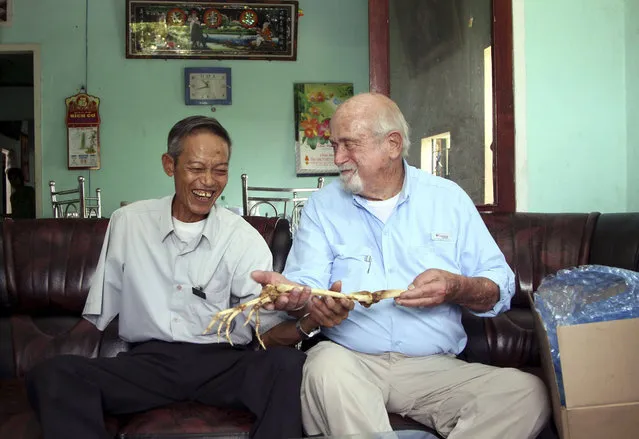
pixel 293 301
pixel 325 311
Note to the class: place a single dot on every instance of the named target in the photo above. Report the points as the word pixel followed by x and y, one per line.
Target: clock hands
pixel 206 85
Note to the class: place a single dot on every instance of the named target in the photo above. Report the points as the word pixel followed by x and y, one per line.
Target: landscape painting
pixel 212 30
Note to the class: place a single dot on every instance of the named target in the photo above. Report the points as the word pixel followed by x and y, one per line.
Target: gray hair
pixel 193 125
pixel 390 118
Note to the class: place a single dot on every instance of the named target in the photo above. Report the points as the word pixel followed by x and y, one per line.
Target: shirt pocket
pixel 202 310
pixel 350 265
pixel 435 254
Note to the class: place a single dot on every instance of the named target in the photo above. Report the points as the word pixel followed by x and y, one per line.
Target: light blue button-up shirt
pixel 434 225
pixel 147 275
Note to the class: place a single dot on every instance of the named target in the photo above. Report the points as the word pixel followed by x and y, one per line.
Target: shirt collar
pixel 403 194
pixel 166 220
pixel 407 186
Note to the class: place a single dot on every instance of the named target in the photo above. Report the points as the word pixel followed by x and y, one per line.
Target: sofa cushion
pixel 18 420
pixel 404 423
pixel 187 419
pixel 14 399
pixel 36 338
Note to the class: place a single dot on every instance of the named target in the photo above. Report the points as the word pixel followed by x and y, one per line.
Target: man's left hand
pixel 431 288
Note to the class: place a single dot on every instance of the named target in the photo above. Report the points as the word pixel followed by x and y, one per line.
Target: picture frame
pixel 6 12
pixel 207 86
pixel 314 105
pixel 83 131
pixel 165 29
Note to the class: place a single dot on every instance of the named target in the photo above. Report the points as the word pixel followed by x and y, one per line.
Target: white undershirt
pixel 382 209
pixel 187 232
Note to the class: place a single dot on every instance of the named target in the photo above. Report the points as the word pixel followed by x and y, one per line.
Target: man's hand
pixel 431 288
pixel 324 311
pixel 295 300
pixel 327 311
pixel 434 287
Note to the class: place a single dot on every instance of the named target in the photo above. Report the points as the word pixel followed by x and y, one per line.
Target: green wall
pixel 580 88
pixel 142 99
pixel 576 143
pixel 632 101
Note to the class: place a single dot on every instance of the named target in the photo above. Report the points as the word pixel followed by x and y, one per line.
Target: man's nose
pixel 207 178
pixel 340 156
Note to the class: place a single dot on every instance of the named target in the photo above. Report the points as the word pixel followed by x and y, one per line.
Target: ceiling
pixel 16 70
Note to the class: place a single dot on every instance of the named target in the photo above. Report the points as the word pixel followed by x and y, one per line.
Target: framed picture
pixel 315 104
pixel 6 12
pixel 164 29
pixel 83 131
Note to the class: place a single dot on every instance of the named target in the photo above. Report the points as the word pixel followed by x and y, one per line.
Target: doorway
pixel 20 117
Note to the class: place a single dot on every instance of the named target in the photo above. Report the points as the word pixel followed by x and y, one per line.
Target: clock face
pixel 208 86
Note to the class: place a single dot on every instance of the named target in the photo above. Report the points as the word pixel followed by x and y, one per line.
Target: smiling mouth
pixel 202 195
pixel 345 172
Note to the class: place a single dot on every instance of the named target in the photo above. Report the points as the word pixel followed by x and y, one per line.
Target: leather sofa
pixel 46 266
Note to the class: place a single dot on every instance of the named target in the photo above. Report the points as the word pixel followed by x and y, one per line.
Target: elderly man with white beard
pixel 388 225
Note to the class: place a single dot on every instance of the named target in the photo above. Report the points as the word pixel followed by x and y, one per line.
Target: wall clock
pixel 207 86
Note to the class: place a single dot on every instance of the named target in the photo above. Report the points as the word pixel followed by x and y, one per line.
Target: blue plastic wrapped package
pixel 585 294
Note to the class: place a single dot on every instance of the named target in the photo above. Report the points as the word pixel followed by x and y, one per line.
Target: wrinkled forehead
pixel 206 147
pixel 350 123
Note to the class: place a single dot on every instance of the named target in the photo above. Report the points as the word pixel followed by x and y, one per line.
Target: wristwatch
pixel 300 330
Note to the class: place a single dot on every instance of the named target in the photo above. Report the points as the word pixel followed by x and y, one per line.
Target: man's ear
pixel 168 163
pixel 395 144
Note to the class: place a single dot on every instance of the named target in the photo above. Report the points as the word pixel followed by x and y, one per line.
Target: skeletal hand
pixel 330 313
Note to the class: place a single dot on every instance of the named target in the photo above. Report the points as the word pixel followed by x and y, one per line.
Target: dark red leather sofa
pixel 46 266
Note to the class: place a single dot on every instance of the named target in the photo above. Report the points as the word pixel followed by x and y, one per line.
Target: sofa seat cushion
pixel 21 426
pixel 14 399
pixel 18 420
pixel 404 423
pixel 188 419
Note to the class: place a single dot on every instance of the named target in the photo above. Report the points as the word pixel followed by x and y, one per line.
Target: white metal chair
pixel 281 202
pixel 79 205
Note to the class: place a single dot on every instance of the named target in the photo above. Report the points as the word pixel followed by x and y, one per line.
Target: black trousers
pixel 70 393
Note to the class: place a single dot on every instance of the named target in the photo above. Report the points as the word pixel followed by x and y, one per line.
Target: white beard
pixel 353 183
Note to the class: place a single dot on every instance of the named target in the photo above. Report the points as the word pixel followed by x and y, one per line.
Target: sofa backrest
pixel 538 244
pixel 46 267
pixel 48 264
pixel 45 275
pixel 616 241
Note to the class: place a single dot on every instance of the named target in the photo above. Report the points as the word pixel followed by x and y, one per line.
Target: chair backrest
pixel 73 203
pixel 279 202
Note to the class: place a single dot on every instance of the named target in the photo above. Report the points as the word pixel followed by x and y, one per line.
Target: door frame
pixel 33 49
pixel 503 91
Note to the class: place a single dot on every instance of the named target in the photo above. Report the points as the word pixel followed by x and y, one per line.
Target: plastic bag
pixel 585 294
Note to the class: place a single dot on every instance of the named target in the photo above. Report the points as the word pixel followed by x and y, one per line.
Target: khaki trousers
pixel 346 392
